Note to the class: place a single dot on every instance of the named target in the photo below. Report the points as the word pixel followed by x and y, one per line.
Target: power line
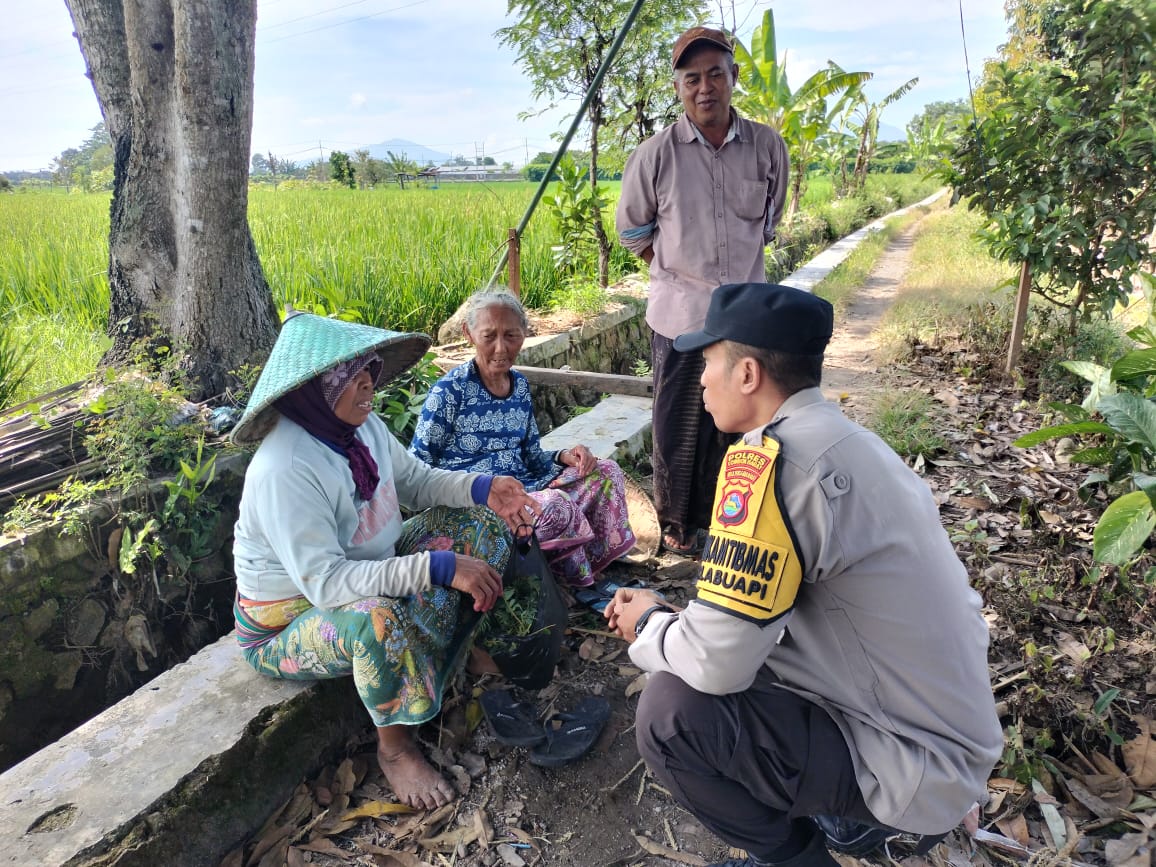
pixel 343 23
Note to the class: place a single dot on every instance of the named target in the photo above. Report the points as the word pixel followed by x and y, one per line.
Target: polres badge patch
pixel 750 563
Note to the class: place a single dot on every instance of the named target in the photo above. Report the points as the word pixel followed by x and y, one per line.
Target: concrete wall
pixel 77 634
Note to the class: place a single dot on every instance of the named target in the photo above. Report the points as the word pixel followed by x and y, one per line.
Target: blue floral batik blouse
pixel 465 427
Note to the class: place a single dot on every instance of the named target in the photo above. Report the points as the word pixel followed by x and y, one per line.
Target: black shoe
pixel 852 837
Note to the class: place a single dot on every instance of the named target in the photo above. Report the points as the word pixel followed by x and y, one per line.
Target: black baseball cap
pixel 767 315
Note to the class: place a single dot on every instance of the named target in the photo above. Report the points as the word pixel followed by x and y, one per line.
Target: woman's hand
pixel 511 502
pixel 477 578
pixel 579 457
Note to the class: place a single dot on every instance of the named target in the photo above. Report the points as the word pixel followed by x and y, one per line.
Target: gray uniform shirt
pixel 707 213
pixel 886 633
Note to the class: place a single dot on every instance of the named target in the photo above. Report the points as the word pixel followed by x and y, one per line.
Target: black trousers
pixel 751 766
pixel 687 448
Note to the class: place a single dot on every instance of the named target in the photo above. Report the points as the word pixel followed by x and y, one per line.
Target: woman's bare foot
pixel 414 780
pixel 480 662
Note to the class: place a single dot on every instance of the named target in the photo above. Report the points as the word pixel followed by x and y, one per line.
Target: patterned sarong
pixel 401 651
pixel 584 525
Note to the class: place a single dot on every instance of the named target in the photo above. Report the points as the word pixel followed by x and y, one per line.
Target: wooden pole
pixel 1020 318
pixel 515 261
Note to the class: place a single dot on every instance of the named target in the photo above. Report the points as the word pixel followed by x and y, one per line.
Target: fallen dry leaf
pixel 373 809
pixel 344 780
pixel 1140 754
pixel 448 841
pixel 326 847
pixel 398 859
pixel 637 685
pixel 1015 827
pixel 661 851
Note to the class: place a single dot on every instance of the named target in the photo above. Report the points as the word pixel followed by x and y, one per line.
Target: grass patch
pixel 906 421
pixel 950 273
pixel 955 292
pixel 838 286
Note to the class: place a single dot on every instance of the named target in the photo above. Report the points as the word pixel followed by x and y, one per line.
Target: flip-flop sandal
pixel 515 723
pixel 593 598
pixel 569 736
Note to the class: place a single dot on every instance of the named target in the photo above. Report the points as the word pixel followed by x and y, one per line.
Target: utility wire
pixel 971 94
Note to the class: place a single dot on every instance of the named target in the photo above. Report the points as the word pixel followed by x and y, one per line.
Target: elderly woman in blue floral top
pixel 478 417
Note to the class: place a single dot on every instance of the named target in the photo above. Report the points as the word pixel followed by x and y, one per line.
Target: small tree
pixel 1062 162
pixel 562 43
pixel 341 169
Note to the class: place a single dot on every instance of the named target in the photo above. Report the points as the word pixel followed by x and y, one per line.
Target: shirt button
pixel 841 481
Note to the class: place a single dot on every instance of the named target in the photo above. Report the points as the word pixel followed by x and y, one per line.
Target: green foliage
pixel 802 117
pixel 341 169
pixel 575 207
pixel 1061 163
pixel 138 429
pixel 1122 444
pixel 401 400
pixel 15 363
pixel 906 421
pixel 562 46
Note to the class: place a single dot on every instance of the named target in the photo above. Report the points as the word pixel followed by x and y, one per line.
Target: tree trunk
pixel 174 79
pixel 595 114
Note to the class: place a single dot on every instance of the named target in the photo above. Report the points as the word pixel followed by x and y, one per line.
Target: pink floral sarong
pixel 584 525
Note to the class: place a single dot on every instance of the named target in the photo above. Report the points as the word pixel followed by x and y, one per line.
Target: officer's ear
pixel 751 375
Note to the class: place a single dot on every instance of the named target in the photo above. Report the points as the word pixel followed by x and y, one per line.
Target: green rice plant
pixel 905 420
pixel 14 366
pixel 61 350
pixel 54 255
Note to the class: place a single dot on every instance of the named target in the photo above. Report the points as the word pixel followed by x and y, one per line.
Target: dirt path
pixel 850 373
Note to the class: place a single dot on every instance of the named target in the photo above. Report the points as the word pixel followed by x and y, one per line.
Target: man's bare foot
pixel 480 662
pixel 414 780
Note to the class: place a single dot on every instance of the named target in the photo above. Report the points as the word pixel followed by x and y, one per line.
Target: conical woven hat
pixel 309 345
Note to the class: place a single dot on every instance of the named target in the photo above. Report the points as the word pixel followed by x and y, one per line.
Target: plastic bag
pixel 527 655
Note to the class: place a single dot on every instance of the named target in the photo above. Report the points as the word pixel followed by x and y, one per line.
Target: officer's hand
pixel 477 578
pixel 626 607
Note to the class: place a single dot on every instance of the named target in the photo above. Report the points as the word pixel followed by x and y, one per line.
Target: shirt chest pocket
pixel 751 200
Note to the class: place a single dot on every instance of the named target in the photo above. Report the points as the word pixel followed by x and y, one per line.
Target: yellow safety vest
pixel 750 564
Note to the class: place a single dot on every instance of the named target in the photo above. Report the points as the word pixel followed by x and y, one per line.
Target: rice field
pixel 404 259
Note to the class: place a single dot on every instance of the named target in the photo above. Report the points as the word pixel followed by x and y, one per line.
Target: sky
pixel 343 74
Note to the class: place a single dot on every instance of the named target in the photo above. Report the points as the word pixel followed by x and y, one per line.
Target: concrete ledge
pixel 811 274
pixel 179 772
pixel 616 428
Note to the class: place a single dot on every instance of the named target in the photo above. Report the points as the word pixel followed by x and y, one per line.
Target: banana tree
pixel 801 116
pixel 865 121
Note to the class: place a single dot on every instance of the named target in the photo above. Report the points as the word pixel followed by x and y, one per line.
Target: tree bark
pixel 174 79
pixel 595 114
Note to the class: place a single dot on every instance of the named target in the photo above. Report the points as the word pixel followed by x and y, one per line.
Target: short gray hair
pixel 487 298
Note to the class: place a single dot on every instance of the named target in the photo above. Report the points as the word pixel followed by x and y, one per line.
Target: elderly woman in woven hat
pixel 478 417
pixel 330 581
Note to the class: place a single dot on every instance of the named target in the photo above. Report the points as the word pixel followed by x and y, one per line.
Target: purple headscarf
pixel 311 406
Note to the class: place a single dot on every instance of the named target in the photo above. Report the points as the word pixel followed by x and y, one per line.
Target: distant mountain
pixel 887 132
pixel 420 154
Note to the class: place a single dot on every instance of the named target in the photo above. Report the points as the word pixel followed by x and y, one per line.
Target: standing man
pixel 829 684
pixel 700 201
